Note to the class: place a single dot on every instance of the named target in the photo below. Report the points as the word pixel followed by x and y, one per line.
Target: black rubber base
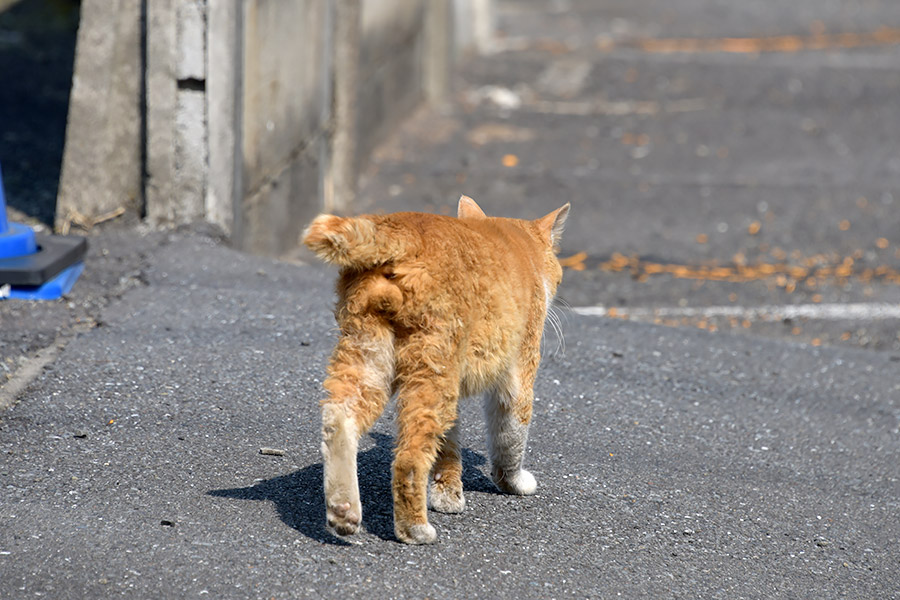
pixel 54 254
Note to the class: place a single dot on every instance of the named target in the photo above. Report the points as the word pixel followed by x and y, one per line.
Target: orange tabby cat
pixel 433 309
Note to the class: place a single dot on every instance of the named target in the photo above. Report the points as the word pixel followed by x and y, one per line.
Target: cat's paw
pixel 522 483
pixel 446 498
pixel 416 534
pixel 344 518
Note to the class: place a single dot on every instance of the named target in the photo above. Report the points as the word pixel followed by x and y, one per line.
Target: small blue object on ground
pixel 36 267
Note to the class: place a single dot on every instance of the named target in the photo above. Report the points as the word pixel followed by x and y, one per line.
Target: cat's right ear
pixel 468 209
pixel 553 223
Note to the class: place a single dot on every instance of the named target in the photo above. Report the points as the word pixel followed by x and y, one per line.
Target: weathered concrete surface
pixel 239 102
pixel 474 26
pixel 340 178
pixel 162 100
pixel 224 46
pixel 286 108
pixel 276 212
pixel 176 134
pixel 292 165
pixel 439 50
pixel 391 68
pixel 102 159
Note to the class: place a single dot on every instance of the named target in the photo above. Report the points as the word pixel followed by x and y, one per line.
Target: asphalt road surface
pixel 672 460
pixel 720 157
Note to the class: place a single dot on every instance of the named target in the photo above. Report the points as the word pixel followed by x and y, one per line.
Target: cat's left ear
pixel 552 224
pixel 469 209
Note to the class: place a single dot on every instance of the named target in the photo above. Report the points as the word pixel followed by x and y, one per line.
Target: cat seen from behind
pixel 433 309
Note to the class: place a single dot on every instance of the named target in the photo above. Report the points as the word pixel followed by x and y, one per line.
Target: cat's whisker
pixel 547 322
pixel 562 302
pixel 564 322
pixel 561 309
pixel 562 336
pixel 566 308
pixel 555 322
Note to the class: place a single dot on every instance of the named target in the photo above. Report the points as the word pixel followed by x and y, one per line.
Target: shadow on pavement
pixel 301 506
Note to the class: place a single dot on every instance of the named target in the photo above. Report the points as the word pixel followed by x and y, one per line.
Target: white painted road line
pixel 861 311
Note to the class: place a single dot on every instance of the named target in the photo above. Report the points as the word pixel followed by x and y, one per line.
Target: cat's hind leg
pixel 507 410
pixel 426 410
pixel 358 386
pixel 445 492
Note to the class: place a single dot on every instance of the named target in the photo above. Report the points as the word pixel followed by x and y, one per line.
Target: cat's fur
pixel 433 308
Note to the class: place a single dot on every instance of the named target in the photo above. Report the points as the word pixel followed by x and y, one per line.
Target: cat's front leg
pixel 507 410
pixel 445 491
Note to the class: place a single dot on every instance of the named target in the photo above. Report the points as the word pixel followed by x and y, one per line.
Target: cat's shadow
pixel 300 503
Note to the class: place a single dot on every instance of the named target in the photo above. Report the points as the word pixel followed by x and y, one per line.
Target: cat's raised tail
pixel 350 242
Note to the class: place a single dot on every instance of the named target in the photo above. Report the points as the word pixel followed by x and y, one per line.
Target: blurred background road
pixel 731 166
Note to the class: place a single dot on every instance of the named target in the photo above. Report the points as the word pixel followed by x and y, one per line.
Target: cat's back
pixel 466 269
pixel 499 247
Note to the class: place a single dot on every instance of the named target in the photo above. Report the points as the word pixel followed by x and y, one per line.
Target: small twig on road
pixel 271 451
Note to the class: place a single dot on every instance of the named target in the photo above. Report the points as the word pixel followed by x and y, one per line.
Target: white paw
pixel 525 483
pixel 522 483
pixel 416 534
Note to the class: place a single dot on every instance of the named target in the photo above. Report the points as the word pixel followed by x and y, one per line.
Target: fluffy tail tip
pixel 342 240
pixel 324 237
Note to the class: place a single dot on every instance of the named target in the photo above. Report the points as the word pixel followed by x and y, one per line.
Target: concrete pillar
pixel 438 49
pixel 191 147
pixel 224 85
pixel 101 168
pixel 484 24
pixel 341 179
pixel 161 99
pixel 222 109
pixel 176 150
pixel 286 105
pixel 391 68
pixel 473 26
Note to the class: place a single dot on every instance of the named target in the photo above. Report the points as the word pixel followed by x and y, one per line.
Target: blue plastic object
pixel 15 239
pixel 51 290
pixel 33 268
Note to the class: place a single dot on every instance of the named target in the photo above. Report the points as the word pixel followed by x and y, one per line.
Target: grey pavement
pixel 671 461
pixel 769 159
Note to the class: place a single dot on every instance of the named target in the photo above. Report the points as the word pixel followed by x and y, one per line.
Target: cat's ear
pixel 468 209
pixel 552 225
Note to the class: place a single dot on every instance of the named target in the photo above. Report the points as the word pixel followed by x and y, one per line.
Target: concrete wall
pixel 101 168
pixel 176 124
pixel 392 60
pixel 251 114
pixel 286 111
